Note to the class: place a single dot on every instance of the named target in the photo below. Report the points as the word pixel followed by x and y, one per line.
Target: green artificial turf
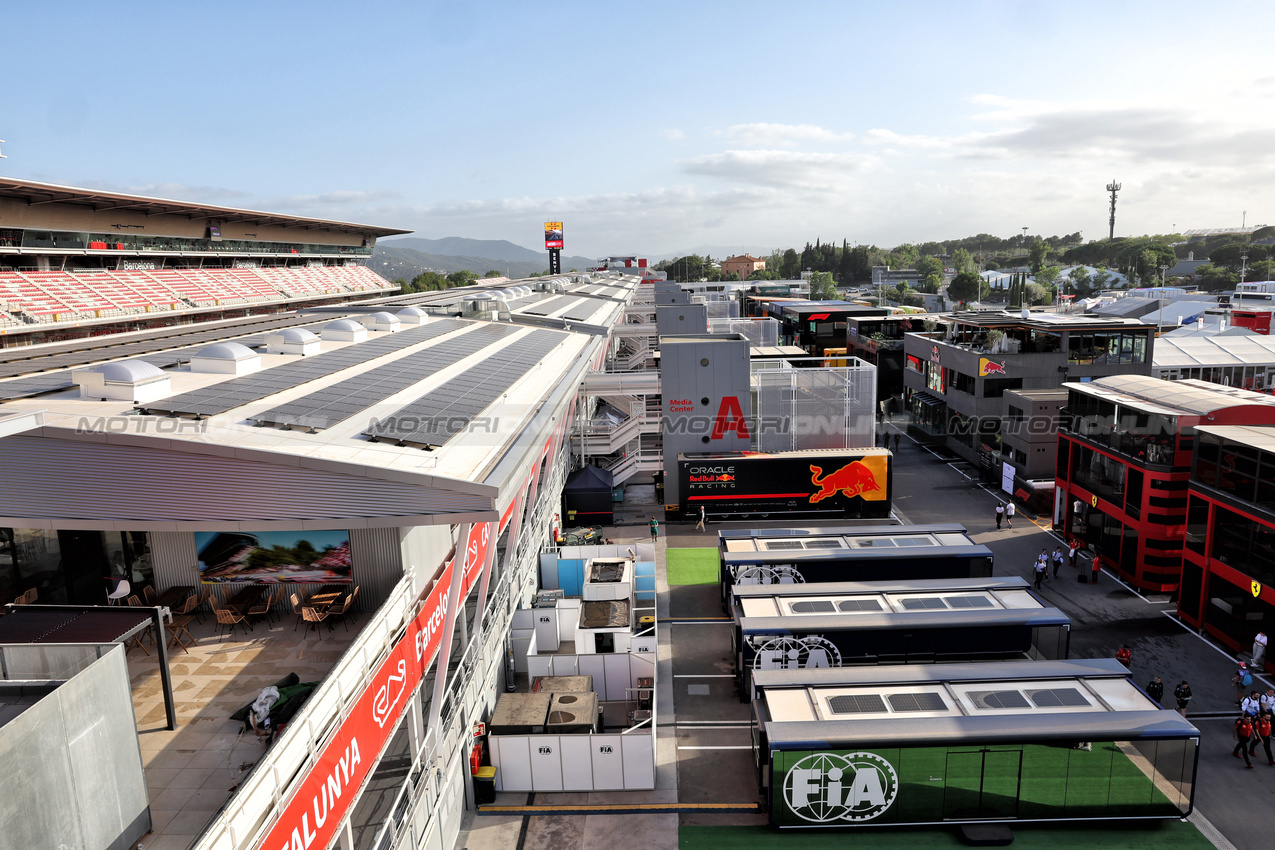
pixel 691 566
pixel 1141 835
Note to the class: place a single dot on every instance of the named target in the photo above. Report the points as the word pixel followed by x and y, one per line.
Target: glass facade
pixel 71 566
pixel 1099 347
pixel 922 785
pixel 133 242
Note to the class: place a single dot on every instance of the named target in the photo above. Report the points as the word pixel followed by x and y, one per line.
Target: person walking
pixel 896 441
pixel 1041 569
pixel 1155 690
pixel 1096 567
pixel 1259 650
pixel 1268 701
pixel 1251 704
pixel 1058 560
pixel 1125 655
pixel 1009 514
pixel 700 525
pixel 1182 693
pixel 655 530
pixel 1072 549
pixel 1243 733
pixel 1000 514
pixel 1242 680
pixel 1262 735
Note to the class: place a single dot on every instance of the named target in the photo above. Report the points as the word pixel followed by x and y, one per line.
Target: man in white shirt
pixel 1268 700
pixel 1009 514
pixel 1251 704
pixel 1259 649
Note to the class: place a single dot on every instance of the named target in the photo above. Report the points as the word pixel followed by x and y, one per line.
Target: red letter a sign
pixel 729 418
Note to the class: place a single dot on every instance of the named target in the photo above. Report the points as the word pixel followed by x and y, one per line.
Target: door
pixel 84 567
pixel 982 784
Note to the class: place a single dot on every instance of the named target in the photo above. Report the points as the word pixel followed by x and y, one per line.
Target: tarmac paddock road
pixel 705 748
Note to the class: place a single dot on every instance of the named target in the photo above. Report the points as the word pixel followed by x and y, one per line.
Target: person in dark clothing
pixel 1155 690
pixel 1243 732
pixel 655 529
pixel 1000 514
pixel 896 441
pixel 1262 735
pixel 1042 570
pixel 1058 560
pixel 1182 693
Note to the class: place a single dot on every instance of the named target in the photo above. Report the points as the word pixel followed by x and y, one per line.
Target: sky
pixel 659 128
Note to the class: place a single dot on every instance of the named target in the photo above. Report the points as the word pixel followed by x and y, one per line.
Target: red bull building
pixel 955 378
pixel 1126 447
pixel 1228 562
pixel 753 485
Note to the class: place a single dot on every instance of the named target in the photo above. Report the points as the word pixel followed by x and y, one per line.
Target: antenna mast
pixel 1113 187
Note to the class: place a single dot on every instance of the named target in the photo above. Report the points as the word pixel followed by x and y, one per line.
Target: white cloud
pixel 782 135
pixel 673 134
pixel 781 169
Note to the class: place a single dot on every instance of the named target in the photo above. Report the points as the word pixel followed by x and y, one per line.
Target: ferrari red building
pixel 1125 450
pixel 1228 566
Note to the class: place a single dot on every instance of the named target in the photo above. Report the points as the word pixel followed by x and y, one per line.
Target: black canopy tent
pixel 586 497
pixel 91 624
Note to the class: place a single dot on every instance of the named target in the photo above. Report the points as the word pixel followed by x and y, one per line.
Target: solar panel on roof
pixel 858 605
pixel 999 699
pixel 330 405
pixel 968 601
pixel 856 704
pixel 813 606
pixel 917 702
pixel 237 392
pixel 925 603
pixel 440 414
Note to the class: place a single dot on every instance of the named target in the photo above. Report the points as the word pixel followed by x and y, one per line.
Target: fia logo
pixel 606 749
pixel 825 787
pixel 786 653
pixel 546 751
pixel 544 619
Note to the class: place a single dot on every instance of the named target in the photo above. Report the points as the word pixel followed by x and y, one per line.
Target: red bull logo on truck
pixel 858 478
pixel 990 367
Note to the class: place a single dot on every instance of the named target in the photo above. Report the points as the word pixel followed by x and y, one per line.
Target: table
pixel 325 600
pixel 245 597
pixel 174 596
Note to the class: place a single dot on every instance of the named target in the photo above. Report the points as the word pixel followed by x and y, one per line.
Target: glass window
pixel 1133 493
pixel 1197 524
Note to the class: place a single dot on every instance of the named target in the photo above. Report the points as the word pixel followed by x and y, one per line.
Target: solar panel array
pixel 551 305
pixel 23 361
pixel 856 704
pixel 440 414
pixel 326 407
pixel 237 392
pixel 1058 698
pixel 925 701
pixel 61 379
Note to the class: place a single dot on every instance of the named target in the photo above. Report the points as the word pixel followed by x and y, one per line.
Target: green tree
pixel 904 257
pixel 962 261
pixel 1038 254
pixel 822 287
pixel 461 278
pixel 1035 294
pixel 927 266
pixel 1047 276
pixel 494 273
pixel 790 265
pixel 965 287
pixel 1100 280
pixel 860 264
pixel 932 283
pixel 1080 281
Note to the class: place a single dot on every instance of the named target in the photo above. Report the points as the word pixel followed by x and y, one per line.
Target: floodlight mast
pixel 1113 187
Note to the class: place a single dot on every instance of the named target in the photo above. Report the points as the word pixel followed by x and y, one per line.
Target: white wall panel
pixel 577 766
pixel 511 754
pixel 565 665
pixel 592 665
pixel 639 761
pixel 546 762
pixel 608 762
pixel 616 676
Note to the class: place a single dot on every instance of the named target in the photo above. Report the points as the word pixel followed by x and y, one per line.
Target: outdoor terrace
pixel 193 771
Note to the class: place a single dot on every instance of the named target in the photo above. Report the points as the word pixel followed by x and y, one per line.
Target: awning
pixel 91 624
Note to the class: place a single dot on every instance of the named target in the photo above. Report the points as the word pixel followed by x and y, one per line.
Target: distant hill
pixel 408 257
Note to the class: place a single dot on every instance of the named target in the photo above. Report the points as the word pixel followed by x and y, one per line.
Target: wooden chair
pixel 29 597
pixel 136 602
pixel 148 593
pixel 189 606
pixel 296 608
pixel 313 620
pixel 338 612
pixel 354 599
pixel 181 626
pixel 230 618
pixel 262 606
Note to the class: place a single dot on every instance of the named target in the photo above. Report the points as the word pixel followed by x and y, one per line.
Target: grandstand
pixel 78 262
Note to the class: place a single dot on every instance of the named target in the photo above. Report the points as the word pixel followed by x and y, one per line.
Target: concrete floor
pixel 192 772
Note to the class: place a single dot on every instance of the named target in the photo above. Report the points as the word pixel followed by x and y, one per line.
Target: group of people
pixel 1043 561
pixel 1155 689
pixel 1004 511
pixel 884 438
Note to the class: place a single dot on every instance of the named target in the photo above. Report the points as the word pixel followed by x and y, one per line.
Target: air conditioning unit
pixel 548 598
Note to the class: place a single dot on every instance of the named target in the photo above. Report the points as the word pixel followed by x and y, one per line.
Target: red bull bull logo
pixel 990 367
pixel 857 478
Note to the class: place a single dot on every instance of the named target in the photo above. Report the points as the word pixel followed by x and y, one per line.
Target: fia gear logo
pixel 786 653
pixel 824 787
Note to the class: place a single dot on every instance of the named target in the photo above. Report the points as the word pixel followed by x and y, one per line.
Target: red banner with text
pixel 321 802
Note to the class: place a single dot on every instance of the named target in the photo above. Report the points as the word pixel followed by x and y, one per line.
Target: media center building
pixel 415 445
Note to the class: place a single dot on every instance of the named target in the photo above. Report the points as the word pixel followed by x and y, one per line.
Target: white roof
pixel 1184 352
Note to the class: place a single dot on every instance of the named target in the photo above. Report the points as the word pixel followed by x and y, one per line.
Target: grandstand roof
pixel 423 425
pixel 45 193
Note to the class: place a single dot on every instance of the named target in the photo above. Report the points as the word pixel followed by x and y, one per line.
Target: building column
pixel 449 626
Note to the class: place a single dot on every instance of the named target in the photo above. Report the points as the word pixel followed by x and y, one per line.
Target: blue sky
pixel 658 128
